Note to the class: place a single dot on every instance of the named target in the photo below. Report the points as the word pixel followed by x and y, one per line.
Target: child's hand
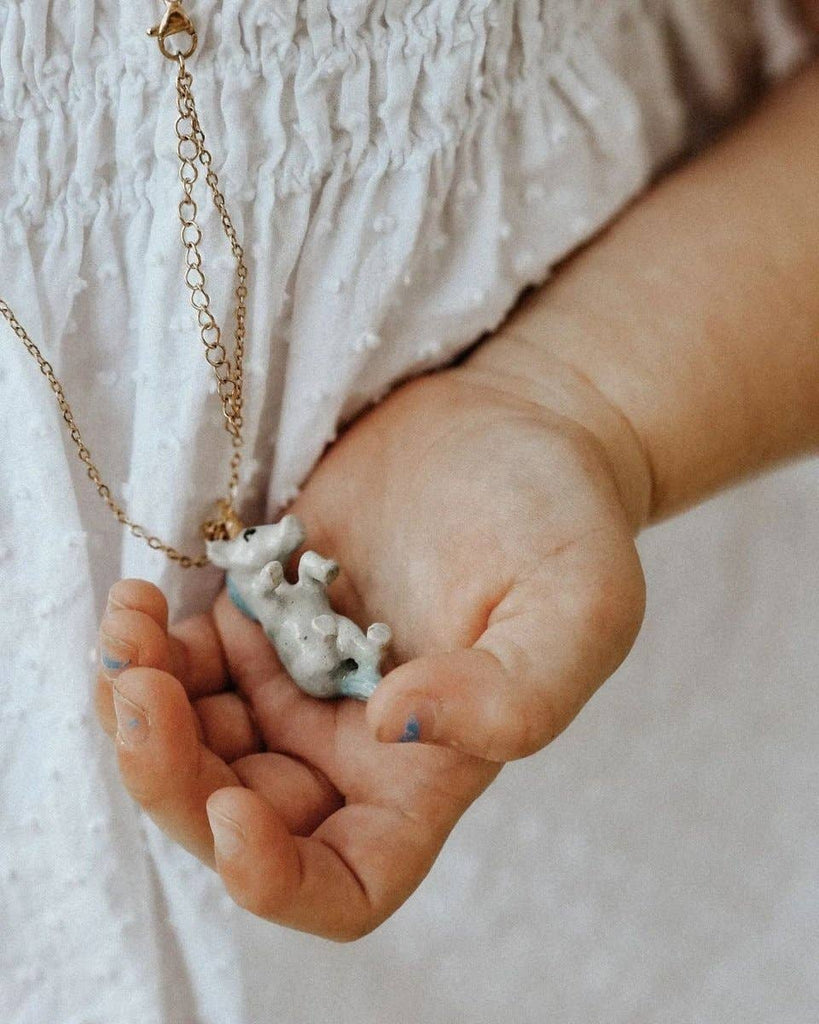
pixel 322 828
pixel 487 514
pixel 489 531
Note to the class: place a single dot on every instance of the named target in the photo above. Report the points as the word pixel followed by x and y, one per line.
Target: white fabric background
pixel 658 861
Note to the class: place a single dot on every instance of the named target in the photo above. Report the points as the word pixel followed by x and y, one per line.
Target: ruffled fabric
pixel 399 170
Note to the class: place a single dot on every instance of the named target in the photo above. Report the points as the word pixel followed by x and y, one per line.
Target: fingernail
pixel 113 605
pixel 415 723
pixel 412 731
pixel 227 836
pixel 132 722
pixel 116 655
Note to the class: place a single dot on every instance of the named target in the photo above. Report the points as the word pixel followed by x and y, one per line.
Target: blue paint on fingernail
pixel 412 730
pixel 113 663
pixel 133 723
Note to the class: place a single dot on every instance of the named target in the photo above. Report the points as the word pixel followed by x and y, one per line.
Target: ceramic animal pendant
pixel 326 654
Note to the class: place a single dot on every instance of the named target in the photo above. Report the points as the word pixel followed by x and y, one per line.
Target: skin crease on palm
pixel 494 535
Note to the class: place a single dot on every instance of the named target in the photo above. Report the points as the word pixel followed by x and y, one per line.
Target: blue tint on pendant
pixel 359 683
pixel 236 598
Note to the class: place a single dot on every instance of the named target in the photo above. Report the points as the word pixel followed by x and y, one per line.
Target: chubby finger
pixel 341 882
pixel 301 795
pixel 139 596
pixel 127 638
pixel 197 658
pixel 162 762
pixel 228 726
pixel 544 653
pixel 465 700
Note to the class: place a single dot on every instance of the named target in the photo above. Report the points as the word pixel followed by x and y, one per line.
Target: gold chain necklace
pixel 327 655
pixel 191 150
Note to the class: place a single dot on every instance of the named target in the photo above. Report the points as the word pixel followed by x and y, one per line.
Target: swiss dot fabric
pixel 399 170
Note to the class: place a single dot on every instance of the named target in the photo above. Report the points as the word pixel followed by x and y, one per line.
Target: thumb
pixel 541 658
pixel 465 700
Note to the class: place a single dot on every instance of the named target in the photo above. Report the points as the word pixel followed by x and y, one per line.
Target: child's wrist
pixel 521 366
pixel 695 313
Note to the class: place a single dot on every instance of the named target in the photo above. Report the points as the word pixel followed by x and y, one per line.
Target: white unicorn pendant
pixel 326 654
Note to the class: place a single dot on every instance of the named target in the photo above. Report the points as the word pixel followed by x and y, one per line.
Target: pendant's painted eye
pixel 249 533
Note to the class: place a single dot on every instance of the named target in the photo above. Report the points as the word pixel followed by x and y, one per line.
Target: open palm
pixel 489 532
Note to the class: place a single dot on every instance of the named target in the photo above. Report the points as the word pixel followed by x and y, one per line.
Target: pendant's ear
pixel 219 553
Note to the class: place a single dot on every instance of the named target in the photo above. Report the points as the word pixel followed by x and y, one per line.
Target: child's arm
pixel 686 341
pixel 697 315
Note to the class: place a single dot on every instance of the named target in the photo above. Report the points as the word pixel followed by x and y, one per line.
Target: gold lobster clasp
pixel 174 22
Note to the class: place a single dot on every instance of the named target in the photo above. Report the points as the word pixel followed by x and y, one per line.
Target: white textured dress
pixel 399 171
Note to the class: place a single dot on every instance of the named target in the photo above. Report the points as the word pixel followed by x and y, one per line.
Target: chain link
pixel 84 454
pixel 229 376
pixel 229 373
